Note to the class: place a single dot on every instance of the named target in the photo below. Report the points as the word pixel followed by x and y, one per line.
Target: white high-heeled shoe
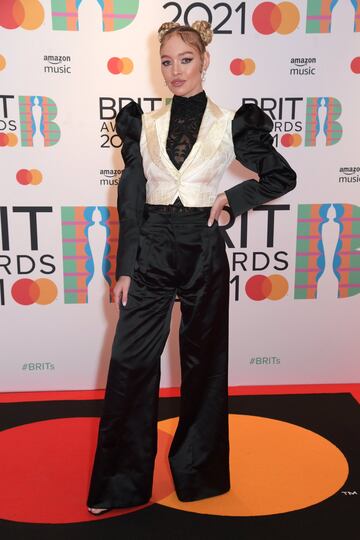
pixel 98 511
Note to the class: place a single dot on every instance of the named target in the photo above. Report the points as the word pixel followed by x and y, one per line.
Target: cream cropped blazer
pixel 197 180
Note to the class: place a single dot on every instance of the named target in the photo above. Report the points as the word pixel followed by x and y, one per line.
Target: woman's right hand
pixel 121 290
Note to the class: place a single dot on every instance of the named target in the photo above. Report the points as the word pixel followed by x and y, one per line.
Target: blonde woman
pixel 170 244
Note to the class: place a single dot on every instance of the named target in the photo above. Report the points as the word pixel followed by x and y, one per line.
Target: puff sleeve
pixel 253 148
pixel 131 188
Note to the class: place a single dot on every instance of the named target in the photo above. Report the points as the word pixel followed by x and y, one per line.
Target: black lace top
pixel 185 120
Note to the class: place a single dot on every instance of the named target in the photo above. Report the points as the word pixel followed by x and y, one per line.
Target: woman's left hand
pixel 216 209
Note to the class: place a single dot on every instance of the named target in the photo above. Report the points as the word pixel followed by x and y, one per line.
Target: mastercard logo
pixel 120 65
pixel 32 176
pixel 2 62
pixel 261 287
pixel 41 291
pixel 240 66
pixel 282 18
pixel 8 139
pixel 355 65
pixel 28 14
pixel 291 139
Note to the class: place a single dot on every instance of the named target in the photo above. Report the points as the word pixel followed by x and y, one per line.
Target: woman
pixel 170 244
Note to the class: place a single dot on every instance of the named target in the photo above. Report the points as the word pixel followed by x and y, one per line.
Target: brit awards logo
pixel 270 256
pixel 82 228
pixel 322 114
pixel 108 108
pixel 89 238
pixel 23 259
pixel 320 14
pixel 115 15
pixel 327 263
pixel 67 15
pixel 36 120
pixel 327 251
pixel 310 121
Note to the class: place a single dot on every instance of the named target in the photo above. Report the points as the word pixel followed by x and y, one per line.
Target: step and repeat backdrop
pixel 66 68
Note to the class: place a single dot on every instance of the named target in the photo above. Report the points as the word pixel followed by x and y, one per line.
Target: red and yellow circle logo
pixel 28 14
pixel 41 291
pixel 120 65
pixel 2 62
pixel 239 66
pixel 32 176
pixel 355 65
pixel 8 139
pixel 291 140
pixel 272 287
pixel 282 18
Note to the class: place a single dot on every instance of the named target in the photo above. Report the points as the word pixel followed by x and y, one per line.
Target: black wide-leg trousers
pixel 179 254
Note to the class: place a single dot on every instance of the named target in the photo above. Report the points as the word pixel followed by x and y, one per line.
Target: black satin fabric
pixel 131 189
pixel 178 254
pixel 253 146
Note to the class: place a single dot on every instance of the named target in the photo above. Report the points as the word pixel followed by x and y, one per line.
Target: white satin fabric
pixel 196 182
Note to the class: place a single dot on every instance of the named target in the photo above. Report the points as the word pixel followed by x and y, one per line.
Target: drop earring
pixel 203 75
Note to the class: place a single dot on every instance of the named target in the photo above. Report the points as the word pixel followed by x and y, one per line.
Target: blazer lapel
pixel 156 127
pixel 210 135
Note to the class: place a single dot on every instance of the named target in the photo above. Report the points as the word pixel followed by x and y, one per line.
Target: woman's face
pixel 181 66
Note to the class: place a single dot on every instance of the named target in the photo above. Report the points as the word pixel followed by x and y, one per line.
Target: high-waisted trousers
pixel 179 255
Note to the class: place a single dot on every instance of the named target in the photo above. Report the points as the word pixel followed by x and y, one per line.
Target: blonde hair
pixel 198 35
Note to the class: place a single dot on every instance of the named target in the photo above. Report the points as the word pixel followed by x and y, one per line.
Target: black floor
pixel 334 416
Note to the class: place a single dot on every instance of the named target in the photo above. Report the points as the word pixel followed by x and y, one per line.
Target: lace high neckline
pixel 185 120
pixel 196 102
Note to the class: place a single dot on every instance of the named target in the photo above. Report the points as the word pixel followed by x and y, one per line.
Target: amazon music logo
pixel 110 177
pixel 348 175
pixel 57 64
pixel 302 66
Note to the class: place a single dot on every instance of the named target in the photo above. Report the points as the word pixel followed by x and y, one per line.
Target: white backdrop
pixel 295 267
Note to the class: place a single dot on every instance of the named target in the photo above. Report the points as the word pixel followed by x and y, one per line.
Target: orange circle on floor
pixel 275 467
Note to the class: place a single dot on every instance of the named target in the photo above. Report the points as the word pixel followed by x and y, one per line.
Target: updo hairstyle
pixel 198 35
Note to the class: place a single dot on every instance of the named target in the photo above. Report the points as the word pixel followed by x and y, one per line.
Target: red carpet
pixel 354 389
pixel 294 468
